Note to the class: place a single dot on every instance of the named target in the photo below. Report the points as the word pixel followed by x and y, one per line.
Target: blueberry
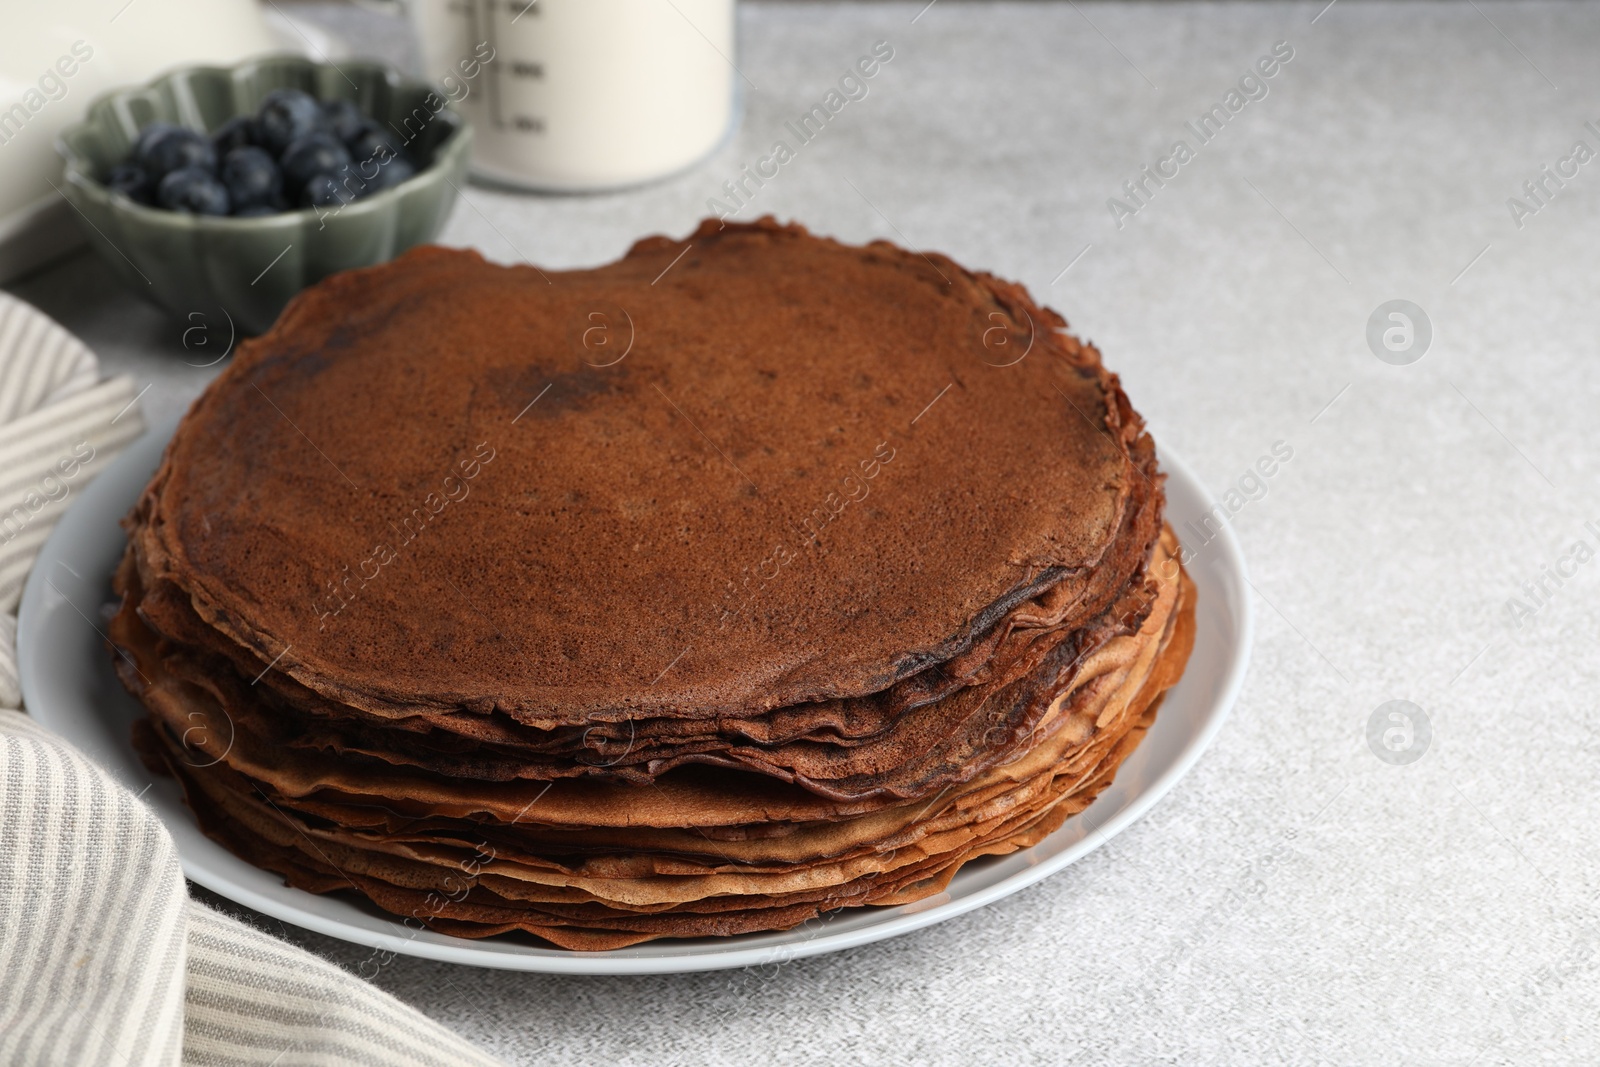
pixel 344 118
pixel 323 190
pixel 375 173
pixel 148 134
pixel 286 115
pixel 131 181
pixel 193 189
pixel 251 177
pixel 235 133
pixel 176 149
pixel 375 144
pixel 352 186
pixel 315 153
pixel 392 173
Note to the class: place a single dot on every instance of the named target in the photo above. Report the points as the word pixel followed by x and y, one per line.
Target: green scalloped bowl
pixel 249 268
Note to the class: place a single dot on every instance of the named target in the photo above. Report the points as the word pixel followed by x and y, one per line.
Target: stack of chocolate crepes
pixel 746 578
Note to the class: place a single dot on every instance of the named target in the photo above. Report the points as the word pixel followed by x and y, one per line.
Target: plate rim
pixel 698 955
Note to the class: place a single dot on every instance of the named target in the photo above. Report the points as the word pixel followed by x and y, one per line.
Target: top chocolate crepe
pixel 710 480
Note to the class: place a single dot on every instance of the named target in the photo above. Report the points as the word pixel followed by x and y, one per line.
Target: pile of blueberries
pixel 293 152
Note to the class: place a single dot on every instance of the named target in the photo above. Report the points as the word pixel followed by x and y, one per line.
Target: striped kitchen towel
pixel 104 958
pixel 59 427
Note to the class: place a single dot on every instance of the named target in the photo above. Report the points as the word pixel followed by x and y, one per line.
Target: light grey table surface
pixel 1296 899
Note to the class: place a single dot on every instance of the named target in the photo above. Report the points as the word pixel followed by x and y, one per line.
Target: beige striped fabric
pixel 92 913
pixel 39 360
pixel 60 425
pixel 104 958
pixel 47 456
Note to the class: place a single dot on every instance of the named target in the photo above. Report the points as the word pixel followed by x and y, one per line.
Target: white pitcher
pixel 576 95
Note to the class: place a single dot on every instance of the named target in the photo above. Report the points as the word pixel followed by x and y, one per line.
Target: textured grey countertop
pixel 1296 898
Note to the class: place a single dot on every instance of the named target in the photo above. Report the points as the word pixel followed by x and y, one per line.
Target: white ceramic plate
pixel 69 687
